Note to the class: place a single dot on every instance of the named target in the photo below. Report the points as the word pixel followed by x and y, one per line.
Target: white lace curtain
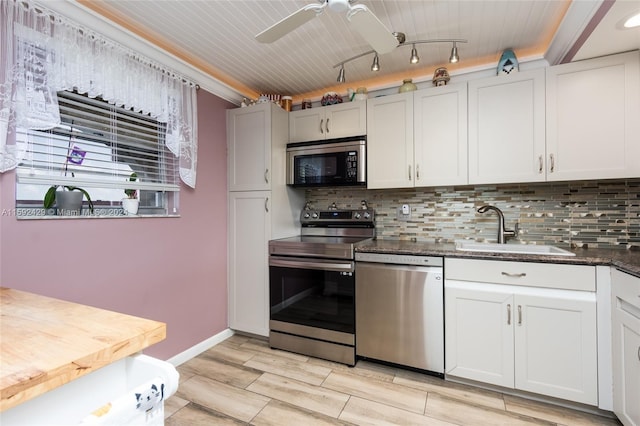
pixel 42 53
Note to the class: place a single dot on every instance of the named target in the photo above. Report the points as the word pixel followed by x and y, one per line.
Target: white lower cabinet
pixel 526 337
pixel 626 347
pixel 479 335
pixel 249 234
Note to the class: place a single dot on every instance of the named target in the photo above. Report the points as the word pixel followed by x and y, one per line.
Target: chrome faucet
pixel 503 233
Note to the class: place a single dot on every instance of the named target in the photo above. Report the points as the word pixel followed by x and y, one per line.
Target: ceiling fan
pixel 359 16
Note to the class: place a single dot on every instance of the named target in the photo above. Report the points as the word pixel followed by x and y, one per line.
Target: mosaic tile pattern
pixel 596 214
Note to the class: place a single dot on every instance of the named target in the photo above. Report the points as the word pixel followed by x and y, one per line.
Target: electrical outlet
pixel 404 212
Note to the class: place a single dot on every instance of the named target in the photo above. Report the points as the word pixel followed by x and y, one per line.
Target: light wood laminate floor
pixel 242 381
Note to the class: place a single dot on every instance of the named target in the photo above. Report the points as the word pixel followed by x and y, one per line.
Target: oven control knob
pixel 307 215
pixel 357 215
pixel 367 215
pixel 314 215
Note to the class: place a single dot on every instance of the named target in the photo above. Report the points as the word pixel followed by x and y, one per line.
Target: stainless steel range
pixel 312 284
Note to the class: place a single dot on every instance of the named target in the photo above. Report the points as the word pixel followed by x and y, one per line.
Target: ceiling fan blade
pixel 290 23
pixel 371 29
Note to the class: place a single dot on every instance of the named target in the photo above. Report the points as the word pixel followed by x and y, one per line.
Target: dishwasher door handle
pixel 406 268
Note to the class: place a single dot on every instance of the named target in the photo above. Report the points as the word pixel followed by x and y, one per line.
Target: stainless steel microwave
pixel 338 162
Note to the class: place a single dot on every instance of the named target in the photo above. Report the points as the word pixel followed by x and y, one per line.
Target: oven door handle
pixel 320 265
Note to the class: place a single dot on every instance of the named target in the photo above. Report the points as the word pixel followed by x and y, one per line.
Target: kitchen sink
pixel 513 248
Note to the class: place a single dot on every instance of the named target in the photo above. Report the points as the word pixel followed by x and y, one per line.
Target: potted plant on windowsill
pixel 131 203
pixel 68 200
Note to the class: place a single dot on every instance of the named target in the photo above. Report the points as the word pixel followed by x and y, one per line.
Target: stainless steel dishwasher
pixel 399 310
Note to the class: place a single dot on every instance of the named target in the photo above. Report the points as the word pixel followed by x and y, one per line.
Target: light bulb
pixel 375 66
pixel 414 55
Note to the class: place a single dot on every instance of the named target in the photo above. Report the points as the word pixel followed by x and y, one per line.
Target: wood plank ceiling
pixel 217 36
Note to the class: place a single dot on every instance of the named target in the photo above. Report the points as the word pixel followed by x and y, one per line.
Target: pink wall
pixel 172 270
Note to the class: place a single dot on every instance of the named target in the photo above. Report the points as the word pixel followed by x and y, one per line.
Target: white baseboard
pixel 200 347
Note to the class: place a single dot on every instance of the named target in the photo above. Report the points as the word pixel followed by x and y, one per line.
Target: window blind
pixel 99 145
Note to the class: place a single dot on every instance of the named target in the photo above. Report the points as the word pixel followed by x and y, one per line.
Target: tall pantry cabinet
pixel 261 207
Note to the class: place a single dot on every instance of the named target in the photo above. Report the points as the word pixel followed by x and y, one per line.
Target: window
pixel 97 147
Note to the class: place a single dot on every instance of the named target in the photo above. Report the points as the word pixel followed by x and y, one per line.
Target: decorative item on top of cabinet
pixel 508 63
pixel 361 94
pixel 407 86
pixel 440 77
pixel 330 98
pixel 286 103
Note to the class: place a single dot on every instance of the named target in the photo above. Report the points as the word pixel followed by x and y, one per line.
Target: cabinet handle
pixel 553 162
pixel 409 171
pixel 417 171
pixel 321 123
pixel 509 314
pixel 266 204
pixel 266 175
pixel 520 275
pixel 327 125
pixel 638 353
pixel 519 315
pixel 540 164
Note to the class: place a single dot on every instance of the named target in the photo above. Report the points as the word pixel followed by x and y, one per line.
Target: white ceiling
pixel 217 37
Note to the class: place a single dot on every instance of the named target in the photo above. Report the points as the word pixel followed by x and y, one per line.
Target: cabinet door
pixel 306 125
pixel 626 347
pixel 440 139
pixel 507 128
pixel 346 119
pixel 390 141
pixel 593 128
pixel 479 333
pixel 249 145
pixel 555 345
pixel 249 234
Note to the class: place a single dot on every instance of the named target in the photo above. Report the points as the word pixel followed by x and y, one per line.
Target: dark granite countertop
pixel 625 260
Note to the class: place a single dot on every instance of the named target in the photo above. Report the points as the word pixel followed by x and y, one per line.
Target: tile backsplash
pixel 596 214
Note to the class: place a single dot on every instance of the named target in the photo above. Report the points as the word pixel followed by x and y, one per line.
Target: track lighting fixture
pixel 341 78
pixel 454 54
pixel 375 66
pixel 414 55
pixel 413 59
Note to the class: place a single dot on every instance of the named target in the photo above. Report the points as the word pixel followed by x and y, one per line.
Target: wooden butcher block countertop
pixel 46 342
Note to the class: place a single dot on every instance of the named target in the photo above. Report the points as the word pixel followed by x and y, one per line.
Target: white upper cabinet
pixel 418 138
pixel 507 128
pixel 593 118
pixel 328 122
pixel 390 141
pixel 440 135
pixel 249 145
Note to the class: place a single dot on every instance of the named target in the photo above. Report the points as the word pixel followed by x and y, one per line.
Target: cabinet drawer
pixel 569 277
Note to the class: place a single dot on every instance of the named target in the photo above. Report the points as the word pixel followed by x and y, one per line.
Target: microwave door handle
pixel 309 264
